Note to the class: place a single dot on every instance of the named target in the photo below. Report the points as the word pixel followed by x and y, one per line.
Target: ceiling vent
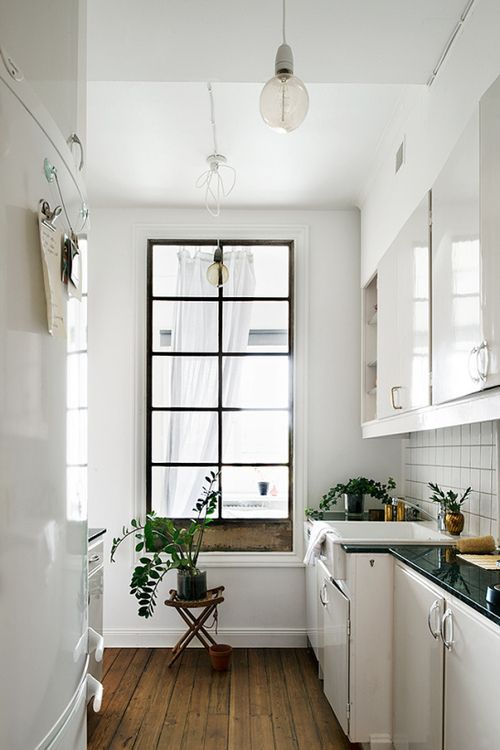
pixel 400 156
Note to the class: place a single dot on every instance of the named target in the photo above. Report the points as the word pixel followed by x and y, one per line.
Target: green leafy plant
pixel 358 486
pixel 170 547
pixel 451 501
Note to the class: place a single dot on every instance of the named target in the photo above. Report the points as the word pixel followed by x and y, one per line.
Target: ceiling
pixel 148 108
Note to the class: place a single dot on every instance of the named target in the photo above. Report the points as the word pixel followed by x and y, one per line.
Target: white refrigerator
pixel 44 638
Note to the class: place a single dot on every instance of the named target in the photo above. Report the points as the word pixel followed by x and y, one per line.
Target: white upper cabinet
pixel 489 355
pixel 456 271
pixel 404 319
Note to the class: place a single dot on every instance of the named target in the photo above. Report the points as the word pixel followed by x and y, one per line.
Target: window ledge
pixel 250 560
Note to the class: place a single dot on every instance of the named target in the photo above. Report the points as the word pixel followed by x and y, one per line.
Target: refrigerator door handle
pixel 94 690
pixel 96 644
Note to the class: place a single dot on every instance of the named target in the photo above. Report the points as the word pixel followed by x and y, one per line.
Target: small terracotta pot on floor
pixel 220 656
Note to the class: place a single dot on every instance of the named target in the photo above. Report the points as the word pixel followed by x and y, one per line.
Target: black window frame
pixel 220 409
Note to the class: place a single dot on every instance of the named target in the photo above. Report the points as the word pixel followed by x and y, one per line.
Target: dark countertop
pixel 95 534
pixel 440 565
pixel 460 578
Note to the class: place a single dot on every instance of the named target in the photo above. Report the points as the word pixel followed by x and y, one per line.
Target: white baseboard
pixel 237 637
pixel 380 742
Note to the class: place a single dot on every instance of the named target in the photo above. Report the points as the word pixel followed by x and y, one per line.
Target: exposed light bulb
pixel 284 100
pixel 217 272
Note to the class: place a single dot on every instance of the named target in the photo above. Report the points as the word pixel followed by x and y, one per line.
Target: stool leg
pixel 195 624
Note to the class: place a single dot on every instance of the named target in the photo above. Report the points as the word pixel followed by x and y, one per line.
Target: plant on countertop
pixel 160 536
pixel 357 486
pixel 450 500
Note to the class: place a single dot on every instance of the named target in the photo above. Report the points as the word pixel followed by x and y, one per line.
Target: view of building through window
pixel 220 378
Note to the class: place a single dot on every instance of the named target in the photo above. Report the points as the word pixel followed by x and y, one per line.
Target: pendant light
pixel 218 273
pixel 284 100
pixel 220 178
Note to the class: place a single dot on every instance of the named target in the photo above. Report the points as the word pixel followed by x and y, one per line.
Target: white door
pixel 489 355
pixel 417 663
pixel 336 656
pixel 472 718
pixel 456 271
pixel 388 362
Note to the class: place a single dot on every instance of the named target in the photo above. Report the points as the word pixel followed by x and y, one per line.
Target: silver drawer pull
pixel 94 558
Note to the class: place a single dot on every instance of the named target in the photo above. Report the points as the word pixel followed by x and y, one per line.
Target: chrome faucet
pixel 416 510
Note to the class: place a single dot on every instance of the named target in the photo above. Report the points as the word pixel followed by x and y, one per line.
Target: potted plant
pixel 451 502
pixel 171 548
pixel 354 491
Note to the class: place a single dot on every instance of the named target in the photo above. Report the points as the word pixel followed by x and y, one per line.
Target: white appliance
pixel 43 535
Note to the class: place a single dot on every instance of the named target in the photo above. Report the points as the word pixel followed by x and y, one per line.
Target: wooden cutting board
pixel 488 562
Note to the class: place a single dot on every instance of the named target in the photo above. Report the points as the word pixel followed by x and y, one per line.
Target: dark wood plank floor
pixel 271 699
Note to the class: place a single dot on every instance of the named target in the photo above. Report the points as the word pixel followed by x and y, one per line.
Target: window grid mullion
pixel 220 354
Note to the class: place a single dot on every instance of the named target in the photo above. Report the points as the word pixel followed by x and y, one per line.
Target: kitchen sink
pixel 387 532
pixel 371 534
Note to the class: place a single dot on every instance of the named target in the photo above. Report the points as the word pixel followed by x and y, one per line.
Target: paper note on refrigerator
pixel 50 243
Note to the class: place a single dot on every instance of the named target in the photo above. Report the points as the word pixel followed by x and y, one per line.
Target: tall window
pixel 219 386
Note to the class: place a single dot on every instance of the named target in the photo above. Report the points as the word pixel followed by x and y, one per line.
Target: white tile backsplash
pixel 456 458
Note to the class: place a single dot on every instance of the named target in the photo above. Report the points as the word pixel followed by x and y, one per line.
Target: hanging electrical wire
pixel 212 179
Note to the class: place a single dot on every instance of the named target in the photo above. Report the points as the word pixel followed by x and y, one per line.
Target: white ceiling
pixel 148 112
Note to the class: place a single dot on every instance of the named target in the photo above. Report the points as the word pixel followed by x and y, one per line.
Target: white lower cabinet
pixel 336 652
pixel 446 659
pixel 418 663
pixel 472 661
pixel 355 645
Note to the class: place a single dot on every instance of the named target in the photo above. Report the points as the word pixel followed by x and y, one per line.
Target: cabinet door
pixel 413 314
pixel 472 719
pixel 322 578
pixel 489 113
pixel 404 318
pixel 417 665
pixel 312 606
pixel 336 655
pixel 456 271
pixel 388 372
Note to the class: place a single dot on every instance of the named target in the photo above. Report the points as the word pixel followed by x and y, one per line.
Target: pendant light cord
pixel 284 19
pixel 212 116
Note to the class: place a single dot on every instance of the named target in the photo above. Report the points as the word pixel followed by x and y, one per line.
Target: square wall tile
pixel 486 433
pixel 475 433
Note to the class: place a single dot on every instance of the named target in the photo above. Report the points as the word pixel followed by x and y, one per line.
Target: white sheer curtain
pixel 192 436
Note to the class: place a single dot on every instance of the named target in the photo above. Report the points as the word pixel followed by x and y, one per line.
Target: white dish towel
pixel 318 533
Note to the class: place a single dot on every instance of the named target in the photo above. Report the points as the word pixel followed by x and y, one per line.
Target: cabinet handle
pixel 433 608
pixel 324 602
pixel 448 642
pixel 94 558
pixel 473 355
pixel 393 401
pixel 75 139
pixel 482 360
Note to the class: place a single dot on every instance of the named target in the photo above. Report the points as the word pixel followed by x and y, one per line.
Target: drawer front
pixel 96 556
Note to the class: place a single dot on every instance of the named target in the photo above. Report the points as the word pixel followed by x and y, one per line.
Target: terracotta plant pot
pixel 220 656
pixel 454 523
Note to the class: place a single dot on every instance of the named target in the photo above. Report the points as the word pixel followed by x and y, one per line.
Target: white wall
pixel 431 120
pixel 265 603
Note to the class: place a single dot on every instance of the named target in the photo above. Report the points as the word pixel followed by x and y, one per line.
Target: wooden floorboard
pixel 271 699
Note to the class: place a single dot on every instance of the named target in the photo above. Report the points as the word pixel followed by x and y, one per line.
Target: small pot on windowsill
pixel 454 523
